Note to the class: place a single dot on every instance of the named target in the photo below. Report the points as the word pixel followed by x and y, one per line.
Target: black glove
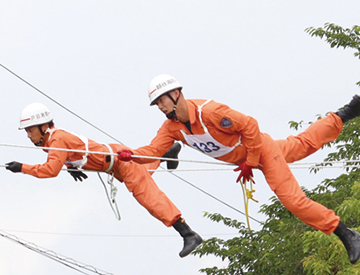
pixel 77 175
pixel 14 166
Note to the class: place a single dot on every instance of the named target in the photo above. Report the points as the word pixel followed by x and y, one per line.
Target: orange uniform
pixel 136 177
pixel 228 135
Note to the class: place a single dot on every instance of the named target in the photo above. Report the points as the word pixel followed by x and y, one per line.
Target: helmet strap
pixel 42 136
pixel 41 130
pixel 172 114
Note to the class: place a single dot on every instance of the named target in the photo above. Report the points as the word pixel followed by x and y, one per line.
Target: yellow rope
pixel 247 194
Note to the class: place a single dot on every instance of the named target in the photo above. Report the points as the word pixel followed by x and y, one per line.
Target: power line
pixel 68 262
pixel 73 113
pixel 58 103
pixel 111 235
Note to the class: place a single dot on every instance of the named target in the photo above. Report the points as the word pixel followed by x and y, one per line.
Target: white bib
pixel 76 163
pixel 205 143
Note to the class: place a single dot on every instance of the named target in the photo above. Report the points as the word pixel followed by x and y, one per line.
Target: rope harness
pixel 111 194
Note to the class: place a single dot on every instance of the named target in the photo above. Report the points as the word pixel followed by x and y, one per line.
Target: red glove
pixel 245 174
pixel 124 154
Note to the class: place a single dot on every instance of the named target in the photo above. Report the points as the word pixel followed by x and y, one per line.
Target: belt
pixel 109 158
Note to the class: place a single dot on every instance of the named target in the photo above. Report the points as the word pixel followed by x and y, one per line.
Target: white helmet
pixel 160 85
pixel 34 114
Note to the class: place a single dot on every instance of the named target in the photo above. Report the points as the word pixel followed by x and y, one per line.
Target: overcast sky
pixel 97 59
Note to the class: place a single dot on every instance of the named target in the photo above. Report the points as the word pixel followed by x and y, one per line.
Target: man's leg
pixel 281 180
pixel 319 133
pixel 283 183
pixel 351 110
pixel 172 153
pixel 138 181
pixel 191 238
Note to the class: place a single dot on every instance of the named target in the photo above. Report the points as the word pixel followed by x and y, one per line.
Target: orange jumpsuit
pixel 136 177
pixel 229 128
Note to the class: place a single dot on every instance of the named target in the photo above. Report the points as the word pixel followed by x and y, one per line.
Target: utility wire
pixel 189 183
pixel 73 113
pixel 111 235
pixel 58 103
pixel 69 262
pixel 215 198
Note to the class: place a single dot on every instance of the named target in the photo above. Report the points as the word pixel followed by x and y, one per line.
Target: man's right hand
pixel 124 154
pixel 14 166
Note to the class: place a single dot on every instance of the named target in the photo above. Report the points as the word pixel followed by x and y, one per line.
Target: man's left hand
pixel 13 166
pixel 246 173
pixel 77 175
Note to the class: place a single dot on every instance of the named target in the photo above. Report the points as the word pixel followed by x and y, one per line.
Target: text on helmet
pixel 37 116
pixel 165 83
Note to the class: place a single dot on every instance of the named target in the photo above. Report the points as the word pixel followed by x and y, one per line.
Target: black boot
pixel 191 238
pixel 351 110
pixel 351 241
pixel 172 153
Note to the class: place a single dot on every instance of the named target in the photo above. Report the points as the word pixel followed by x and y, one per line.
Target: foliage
pixel 337 37
pixel 284 245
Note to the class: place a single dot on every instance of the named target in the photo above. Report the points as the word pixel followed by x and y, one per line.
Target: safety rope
pixel 215 198
pixel 108 153
pixel 111 197
pixel 203 169
pixel 299 165
pixel 248 195
pixel 69 262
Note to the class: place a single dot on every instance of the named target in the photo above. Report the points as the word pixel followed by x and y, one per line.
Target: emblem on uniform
pixel 225 122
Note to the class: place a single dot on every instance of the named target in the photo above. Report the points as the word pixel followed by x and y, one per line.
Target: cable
pixel 58 103
pixel 68 262
pixel 215 198
pixel 106 153
pixel 73 113
pixel 38 90
pixel 110 236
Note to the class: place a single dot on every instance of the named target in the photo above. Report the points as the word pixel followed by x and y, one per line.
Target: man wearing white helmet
pixel 37 121
pixel 228 135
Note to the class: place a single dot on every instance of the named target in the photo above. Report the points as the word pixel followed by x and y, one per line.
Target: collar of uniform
pixel 192 110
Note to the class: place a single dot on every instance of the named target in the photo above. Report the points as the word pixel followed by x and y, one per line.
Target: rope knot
pixel 249 195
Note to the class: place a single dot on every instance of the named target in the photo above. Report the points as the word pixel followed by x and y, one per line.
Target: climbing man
pixel 228 135
pixel 37 121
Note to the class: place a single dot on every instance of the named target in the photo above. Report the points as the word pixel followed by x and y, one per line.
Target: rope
pixel 215 198
pixel 204 169
pixel 69 262
pixel 248 195
pixel 111 197
pixel 304 165
pixel 107 153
